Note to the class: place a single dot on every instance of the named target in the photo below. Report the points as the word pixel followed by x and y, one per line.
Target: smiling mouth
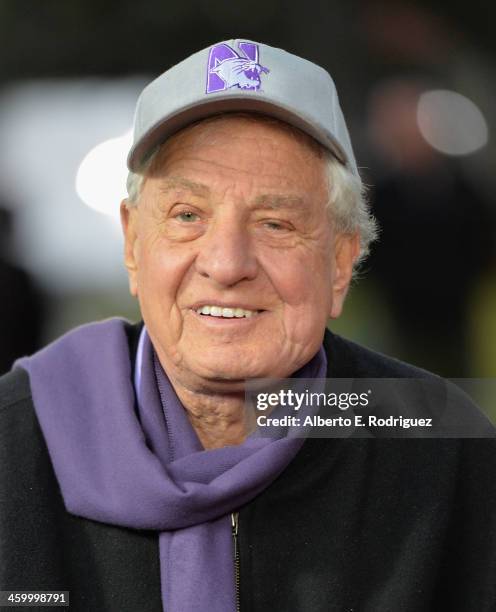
pixel 226 313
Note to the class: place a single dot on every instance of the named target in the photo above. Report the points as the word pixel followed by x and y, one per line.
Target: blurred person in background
pixel 438 235
pixel 129 474
pixel 21 306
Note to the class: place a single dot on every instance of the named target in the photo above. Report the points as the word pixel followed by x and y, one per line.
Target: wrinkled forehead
pixel 213 130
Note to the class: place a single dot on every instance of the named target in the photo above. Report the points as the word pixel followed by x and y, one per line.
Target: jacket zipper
pixel 235 526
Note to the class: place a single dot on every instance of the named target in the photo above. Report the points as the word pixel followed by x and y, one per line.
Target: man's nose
pixel 226 253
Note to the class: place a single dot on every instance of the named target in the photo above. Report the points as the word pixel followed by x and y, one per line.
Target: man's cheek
pixel 294 286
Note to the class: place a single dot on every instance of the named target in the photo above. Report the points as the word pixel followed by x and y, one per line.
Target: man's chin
pixel 228 379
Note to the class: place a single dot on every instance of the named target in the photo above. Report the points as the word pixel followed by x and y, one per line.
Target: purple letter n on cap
pixel 228 68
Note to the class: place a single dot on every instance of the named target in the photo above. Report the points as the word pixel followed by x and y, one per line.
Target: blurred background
pixel 416 82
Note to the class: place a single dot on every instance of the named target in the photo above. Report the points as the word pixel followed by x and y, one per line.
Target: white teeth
pixel 228 313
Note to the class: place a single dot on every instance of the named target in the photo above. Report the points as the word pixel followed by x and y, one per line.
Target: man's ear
pixel 129 216
pixel 346 251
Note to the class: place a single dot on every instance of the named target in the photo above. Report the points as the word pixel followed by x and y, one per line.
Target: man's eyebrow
pixel 177 182
pixel 276 201
pixel 272 201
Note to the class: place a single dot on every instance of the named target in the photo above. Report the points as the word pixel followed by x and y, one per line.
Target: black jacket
pixel 351 525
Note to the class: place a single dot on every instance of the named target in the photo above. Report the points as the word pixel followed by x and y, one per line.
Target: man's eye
pixel 274 226
pixel 187 216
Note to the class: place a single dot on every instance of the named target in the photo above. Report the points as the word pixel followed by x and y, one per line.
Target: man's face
pixel 232 220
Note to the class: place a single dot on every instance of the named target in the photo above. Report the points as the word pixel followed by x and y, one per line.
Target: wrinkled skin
pixel 233 212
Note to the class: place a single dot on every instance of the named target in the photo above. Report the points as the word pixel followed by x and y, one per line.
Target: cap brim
pixel 183 117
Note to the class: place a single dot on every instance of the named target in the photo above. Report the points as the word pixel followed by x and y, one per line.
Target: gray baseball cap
pixel 241 75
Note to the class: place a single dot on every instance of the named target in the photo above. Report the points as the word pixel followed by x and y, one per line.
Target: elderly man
pixel 131 475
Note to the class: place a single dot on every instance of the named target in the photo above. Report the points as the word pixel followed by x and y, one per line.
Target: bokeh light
pixel 451 123
pixel 101 177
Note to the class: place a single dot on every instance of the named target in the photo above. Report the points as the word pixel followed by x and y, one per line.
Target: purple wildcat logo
pixel 227 68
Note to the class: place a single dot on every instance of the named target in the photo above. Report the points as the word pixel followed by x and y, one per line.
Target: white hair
pixel 347 204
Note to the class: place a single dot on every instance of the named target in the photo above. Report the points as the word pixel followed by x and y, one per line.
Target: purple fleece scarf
pixel 140 464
